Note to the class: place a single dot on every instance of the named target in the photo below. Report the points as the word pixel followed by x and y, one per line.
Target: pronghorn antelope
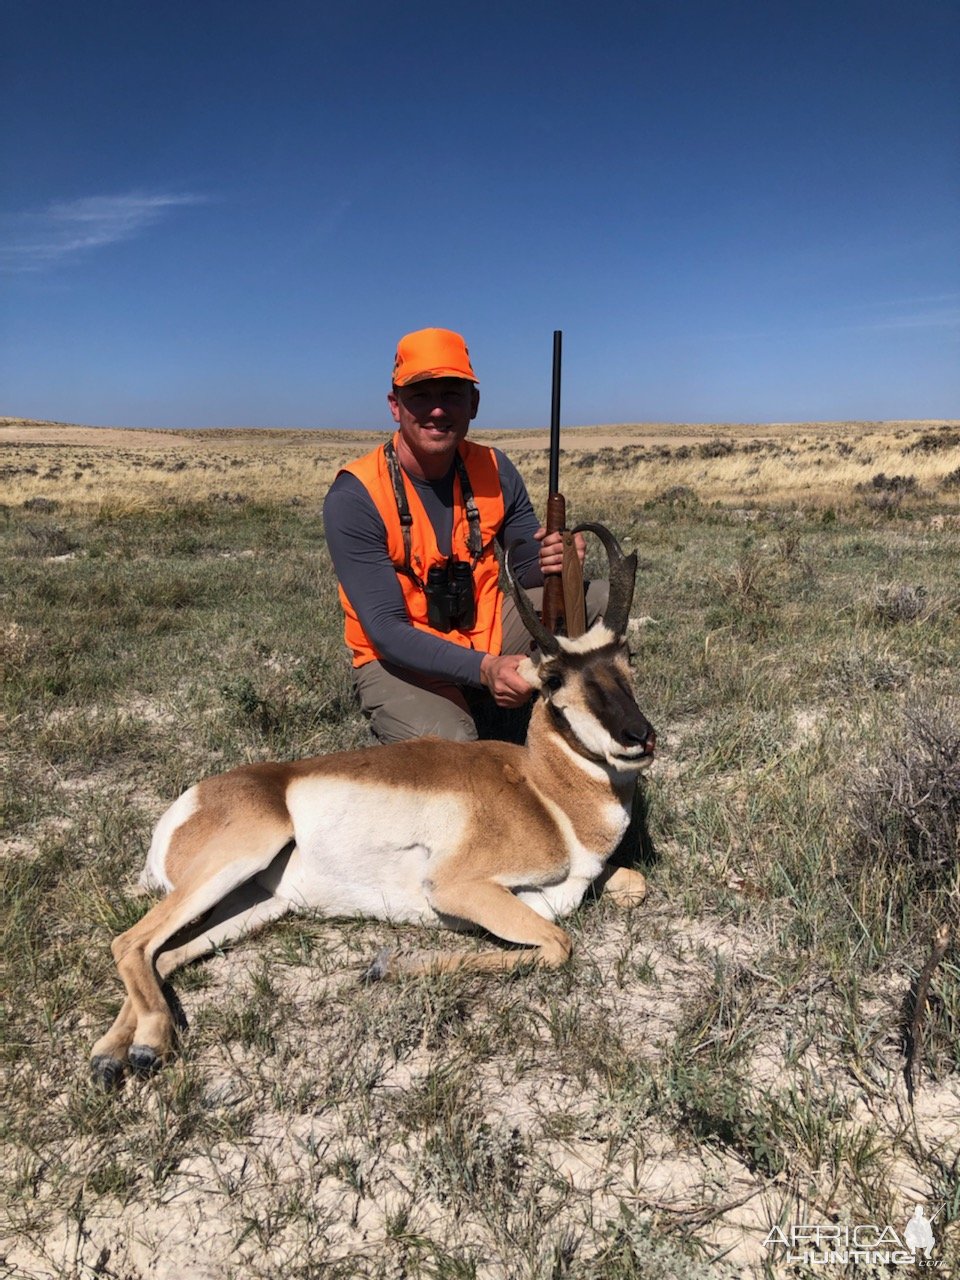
pixel 428 831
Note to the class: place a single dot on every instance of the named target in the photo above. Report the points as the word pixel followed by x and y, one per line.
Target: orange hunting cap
pixel 431 353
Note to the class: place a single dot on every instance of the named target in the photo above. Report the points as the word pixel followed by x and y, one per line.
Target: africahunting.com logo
pixel 821 1244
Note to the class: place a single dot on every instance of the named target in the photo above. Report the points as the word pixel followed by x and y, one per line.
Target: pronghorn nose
pixel 646 738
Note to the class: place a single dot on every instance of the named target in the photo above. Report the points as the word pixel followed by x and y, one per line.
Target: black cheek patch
pixel 603 695
pixel 610 699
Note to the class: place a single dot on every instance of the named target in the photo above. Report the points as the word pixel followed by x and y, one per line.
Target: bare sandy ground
pixel 20 431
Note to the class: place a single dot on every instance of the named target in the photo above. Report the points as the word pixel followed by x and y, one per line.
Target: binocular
pixel 450 600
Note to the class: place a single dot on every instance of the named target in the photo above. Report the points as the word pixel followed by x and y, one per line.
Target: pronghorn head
pixel 585 682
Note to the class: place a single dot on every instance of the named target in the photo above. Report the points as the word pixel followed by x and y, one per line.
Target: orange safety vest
pixel 481 463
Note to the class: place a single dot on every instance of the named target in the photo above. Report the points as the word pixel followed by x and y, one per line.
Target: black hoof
pixel 107 1072
pixel 380 967
pixel 144 1060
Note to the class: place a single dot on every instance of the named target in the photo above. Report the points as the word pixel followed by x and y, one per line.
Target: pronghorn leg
pixel 627 888
pixel 497 910
pixel 143 1032
pixel 110 1052
pixel 242 912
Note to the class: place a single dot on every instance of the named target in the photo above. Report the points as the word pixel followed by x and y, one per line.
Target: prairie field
pixel 771 1040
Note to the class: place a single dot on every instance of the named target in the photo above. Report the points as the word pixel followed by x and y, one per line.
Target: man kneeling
pixel 411 528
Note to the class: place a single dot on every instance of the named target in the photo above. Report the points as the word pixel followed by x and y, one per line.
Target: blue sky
pixel 221 214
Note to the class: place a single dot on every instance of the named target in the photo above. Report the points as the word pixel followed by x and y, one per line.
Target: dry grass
pixel 726 1058
pixel 811 464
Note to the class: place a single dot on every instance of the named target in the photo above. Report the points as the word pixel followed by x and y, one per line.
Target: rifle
pixel 563 607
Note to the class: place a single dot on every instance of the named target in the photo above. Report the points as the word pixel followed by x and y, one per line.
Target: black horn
pixel 528 615
pixel 623 575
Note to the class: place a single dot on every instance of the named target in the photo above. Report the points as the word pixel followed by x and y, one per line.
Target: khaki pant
pixel 401 704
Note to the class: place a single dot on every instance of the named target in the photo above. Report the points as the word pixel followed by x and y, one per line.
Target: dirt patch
pixel 20 431
pixel 575 438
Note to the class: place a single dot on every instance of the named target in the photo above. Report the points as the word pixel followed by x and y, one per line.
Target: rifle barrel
pixel 555 414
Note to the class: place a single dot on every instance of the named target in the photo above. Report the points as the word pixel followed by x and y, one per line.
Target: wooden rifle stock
pixel 553 611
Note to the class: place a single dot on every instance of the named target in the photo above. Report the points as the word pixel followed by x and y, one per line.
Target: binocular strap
pixel 474 536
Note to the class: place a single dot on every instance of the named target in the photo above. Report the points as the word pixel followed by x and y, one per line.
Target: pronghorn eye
pixel 553 683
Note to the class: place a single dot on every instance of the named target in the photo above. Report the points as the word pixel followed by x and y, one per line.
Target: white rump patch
pixel 154 875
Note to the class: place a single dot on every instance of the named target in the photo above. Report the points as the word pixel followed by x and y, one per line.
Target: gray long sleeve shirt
pixel 358 545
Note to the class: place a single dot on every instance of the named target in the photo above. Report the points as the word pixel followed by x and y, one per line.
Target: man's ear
pixel 529 670
pixel 474 402
pixel 394 405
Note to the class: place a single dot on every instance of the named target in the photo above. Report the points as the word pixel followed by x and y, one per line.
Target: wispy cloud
pixel 66 228
pixel 922 313
pixel 931 311
pixel 943 320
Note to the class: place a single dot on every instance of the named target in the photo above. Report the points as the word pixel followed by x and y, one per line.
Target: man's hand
pixel 551 550
pixel 499 674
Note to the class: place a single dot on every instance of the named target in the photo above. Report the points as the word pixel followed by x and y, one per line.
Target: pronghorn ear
pixel 529 669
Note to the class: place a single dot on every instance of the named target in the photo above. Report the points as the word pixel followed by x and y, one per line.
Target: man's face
pixel 434 415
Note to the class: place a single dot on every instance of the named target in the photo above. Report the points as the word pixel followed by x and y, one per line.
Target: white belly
pixel 361 853
pixel 555 901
